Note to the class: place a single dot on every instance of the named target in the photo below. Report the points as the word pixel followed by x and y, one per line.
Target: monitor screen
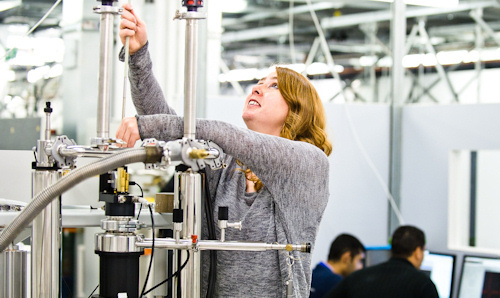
pixel 376 254
pixel 440 268
pixel 480 277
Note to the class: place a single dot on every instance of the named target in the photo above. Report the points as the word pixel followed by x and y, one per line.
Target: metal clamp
pixel 123 225
pixel 108 9
pixel 59 143
pixel 189 15
pixel 196 154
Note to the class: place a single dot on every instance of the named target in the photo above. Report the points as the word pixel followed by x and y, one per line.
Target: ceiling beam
pixel 386 15
pixel 351 20
pixel 280 13
pixel 257 33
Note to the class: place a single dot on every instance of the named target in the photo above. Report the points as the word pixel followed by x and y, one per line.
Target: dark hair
pixel 405 240
pixel 345 243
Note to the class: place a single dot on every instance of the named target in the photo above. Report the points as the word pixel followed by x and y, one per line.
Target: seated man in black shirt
pixel 398 277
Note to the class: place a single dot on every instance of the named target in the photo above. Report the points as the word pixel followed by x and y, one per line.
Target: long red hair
pixel 306 119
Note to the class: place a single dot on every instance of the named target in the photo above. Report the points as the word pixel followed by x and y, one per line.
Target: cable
pixel 331 63
pixel 93 291
pixel 169 277
pixel 209 214
pixel 139 213
pixel 36 25
pixel 142 195
pixel 135 183
pixel 152 251
pixel 392 202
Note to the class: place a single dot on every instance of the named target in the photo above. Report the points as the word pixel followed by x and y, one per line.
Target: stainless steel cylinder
pixel 116 242
pixel 188 198
pixel 190 75
pixel 13 280
pixel 105 72
pixel 47 127
pixel 46 241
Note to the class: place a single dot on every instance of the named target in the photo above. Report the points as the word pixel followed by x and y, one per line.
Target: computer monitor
pixel 480 277
pixel 376 254
pixel 441 268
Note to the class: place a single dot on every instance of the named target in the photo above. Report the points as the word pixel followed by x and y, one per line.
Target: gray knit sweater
pixel 288 209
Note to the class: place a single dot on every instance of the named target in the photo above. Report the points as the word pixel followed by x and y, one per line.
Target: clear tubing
pixel 46 196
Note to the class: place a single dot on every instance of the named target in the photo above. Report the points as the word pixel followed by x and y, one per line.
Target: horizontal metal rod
pixel 74 151
pixel 219 245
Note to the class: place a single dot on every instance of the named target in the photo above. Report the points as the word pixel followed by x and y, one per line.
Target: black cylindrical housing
pixel 177 215
pixel 107 2
pixel 117 209
pixel 223 213
pixel 118 273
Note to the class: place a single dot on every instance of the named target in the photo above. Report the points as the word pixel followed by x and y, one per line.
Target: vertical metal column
pixel 46 241
pixel 105 69
pixel 398 36
pixel 190 76
pixel 479 48
pixel 188 198
pixel 13 283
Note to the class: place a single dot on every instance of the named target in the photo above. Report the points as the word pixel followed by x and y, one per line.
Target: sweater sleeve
pixel 294 172
pixel 147 95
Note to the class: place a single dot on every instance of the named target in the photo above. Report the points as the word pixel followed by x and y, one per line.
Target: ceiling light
pixel 55 71
pixel 4 5
pixel 298 67
pixel 318 68
pixel 11 76
pixel 452 57
pixel 366 61
pixel 431 3
pixel 237 75
pixel 37 73
pixel 233 6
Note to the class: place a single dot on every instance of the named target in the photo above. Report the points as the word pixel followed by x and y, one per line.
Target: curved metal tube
pixel 41 200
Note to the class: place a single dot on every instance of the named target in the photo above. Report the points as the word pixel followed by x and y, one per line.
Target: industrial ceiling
pixel 265 32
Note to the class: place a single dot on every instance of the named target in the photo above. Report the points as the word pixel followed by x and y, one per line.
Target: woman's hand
pixel 133 27
pixel 128 131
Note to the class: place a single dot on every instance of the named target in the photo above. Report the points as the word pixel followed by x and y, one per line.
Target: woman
pixel 276 181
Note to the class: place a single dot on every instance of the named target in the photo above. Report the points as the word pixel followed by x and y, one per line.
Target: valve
pixel 192 5
pixel 224 224
pixel 177 218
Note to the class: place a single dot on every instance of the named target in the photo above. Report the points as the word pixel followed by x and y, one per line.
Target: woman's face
pixel 265 109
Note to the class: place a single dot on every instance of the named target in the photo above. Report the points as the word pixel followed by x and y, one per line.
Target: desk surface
pixel 81 216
